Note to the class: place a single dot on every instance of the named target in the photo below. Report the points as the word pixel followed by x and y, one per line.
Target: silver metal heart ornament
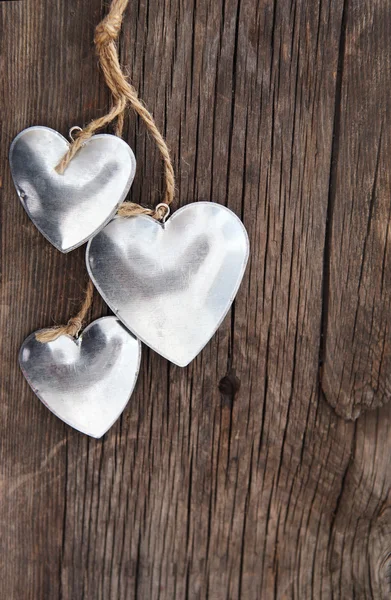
pixel 70 208
pixel 171 284
pixel 85 382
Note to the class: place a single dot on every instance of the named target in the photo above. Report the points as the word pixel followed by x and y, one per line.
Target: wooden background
pixel 263 469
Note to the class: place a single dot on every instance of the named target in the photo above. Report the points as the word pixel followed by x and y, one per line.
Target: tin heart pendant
pixel 70 208
pixel 85 382
pixel 171 284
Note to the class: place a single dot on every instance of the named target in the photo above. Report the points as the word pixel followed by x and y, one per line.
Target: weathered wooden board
pixel 232 478
pixel 356 373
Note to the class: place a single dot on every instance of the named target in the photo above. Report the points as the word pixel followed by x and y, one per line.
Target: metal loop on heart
pixel 72 129
pixel 167 209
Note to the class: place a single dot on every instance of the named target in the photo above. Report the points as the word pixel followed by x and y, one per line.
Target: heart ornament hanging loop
pixel 166 213
pixel 72 129
pixel 171 283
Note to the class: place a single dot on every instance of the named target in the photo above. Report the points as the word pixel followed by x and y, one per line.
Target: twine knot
pixel 74 325
pixel 107 31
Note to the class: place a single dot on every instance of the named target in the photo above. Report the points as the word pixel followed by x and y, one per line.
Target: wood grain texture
pixel 357 357
pixel 232 478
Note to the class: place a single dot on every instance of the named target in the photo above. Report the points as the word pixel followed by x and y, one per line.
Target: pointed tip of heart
pixel 96 435
pixel 180 362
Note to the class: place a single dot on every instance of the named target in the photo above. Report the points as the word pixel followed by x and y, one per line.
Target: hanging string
pixel 106 35
pixel 124 95
pixel 74 324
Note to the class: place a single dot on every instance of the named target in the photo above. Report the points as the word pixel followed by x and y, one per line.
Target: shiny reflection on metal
pixel 166 214
pixel 72 129
pixel 171 285
pixel 85 382
pixel 68 209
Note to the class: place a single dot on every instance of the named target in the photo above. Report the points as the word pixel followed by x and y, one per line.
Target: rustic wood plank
pixel 357 354
pixel 232 478
pixel 40 45
pixel 360 544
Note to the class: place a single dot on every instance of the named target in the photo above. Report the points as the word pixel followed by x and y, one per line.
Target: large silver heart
pixel 171 285
pixel 68 209
pixel 85 382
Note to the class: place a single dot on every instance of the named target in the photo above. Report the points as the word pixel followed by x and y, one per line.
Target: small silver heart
pixel 171 284
pixel 70 208
pixel 85 382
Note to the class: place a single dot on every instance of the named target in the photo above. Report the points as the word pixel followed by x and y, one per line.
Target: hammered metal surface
pixel 171 285
pixel 68 209
pixel 85 382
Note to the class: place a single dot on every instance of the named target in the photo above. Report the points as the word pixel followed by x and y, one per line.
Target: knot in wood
pixel 229 386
